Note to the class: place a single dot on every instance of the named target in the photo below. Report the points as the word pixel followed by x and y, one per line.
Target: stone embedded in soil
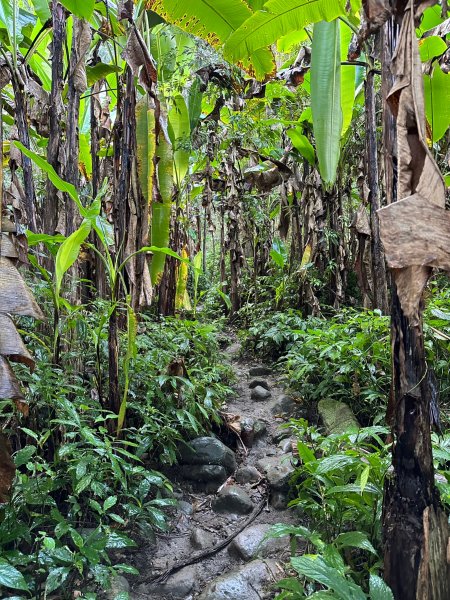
pixel 178 586
pixel 185 507
pixel 201 539
pixel 337 416
pixel 204 473
pixel 285 445
pixel 246 583
pixel 261 382
pixel 278 500
pixel 286 406
pixel 259 371
pixel 247 431
pixel 281 434
pixel 259 393
pixel 252 542
pixel 232 499
pixel 247 474
pixel 278 471
pixel 119 585
pixel 208 451
pixel 259 429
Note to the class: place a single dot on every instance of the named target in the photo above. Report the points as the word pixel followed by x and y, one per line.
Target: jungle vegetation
pixel 171 169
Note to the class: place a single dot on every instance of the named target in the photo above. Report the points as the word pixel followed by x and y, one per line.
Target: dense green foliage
pixel 80 492
pixel 167 165
pixel 338 488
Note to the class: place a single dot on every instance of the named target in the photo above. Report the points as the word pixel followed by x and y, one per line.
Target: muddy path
pixel 228 500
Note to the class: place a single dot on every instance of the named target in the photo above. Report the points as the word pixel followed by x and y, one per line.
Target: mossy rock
pixel 337 417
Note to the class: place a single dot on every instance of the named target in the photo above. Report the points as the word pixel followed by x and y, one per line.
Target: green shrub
pixel 338 490
pixel 80 493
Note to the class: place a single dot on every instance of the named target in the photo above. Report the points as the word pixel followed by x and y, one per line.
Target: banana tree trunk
pixel 416 532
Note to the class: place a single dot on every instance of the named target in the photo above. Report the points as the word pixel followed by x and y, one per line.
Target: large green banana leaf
pixel 145 136
pixel 179 132
pixel 348 76
pixel 326 97
pixel 215 21
pixel 161 211
pixel 277 18
pixel 437 102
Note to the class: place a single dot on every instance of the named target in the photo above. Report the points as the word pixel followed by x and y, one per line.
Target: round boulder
pixel 208 451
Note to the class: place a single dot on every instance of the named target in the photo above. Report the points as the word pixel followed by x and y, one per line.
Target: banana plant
pixel 66 255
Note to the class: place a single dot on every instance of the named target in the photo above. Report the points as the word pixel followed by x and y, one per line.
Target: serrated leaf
pixel 23 456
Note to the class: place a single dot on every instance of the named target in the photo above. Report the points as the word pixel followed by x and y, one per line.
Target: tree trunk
pixel 380 295
pixel 51 206
pixel 415 527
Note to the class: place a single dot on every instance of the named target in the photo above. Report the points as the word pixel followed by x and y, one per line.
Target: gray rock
pixel 278 500
pixel 204 473
pixel 201 539
pixel 337 416
pixel 247 474
pixel 285 445
pixel 259 371
pixel 252 542
pixel 259 429
pixel 178 586
pixel 232 499
pixel 259 393
pixel 278 471
pixel 185 507
pixel 119 584
pixel 261 382
pixel 246 583
pixel 286 407
pixel 281 434
pixel 247 431
pixel 208 451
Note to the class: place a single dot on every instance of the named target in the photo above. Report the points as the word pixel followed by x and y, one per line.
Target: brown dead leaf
pixel 9 386
pixel 7 247
pixel 15 296
pixel 83 37
pixel 7 469
pixel 361 221
pixel 11 344
pixel 125 9
pixel 137 55
pixel 377 12
pixel 414 229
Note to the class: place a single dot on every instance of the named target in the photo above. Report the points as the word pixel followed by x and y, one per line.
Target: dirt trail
pixel 244 569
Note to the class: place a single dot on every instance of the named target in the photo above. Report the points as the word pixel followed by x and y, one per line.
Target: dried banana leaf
pixel 11 344
pixel 9 386
pixel 7 247
pixel 15 296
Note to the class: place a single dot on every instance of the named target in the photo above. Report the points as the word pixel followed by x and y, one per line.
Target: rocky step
pixel 249 582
